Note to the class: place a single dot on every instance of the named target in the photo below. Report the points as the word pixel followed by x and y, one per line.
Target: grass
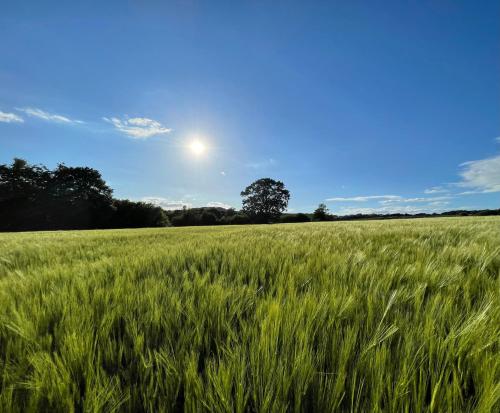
pixel 382 316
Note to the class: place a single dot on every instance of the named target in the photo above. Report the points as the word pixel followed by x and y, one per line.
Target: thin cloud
pixel 166 204
pixel 10 118
pixel 261 164
pixel 415 200
pixel 471 193
pixel 365 198
pixel 436 190
pixel 138 128
pixel 439 203
pixel 482 176
pixel 392 204
pixel 50 117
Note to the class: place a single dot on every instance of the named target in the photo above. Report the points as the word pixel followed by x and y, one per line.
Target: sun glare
pixel 197 147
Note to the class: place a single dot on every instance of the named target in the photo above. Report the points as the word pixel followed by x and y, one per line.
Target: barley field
pixel 378 316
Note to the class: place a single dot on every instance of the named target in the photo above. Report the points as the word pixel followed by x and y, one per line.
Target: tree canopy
pixel 265 199
pixel 321 213
pixel 33 197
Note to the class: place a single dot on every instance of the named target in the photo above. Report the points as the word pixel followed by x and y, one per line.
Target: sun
pixel 197 147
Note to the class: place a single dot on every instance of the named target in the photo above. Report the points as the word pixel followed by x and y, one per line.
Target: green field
pixel 392 316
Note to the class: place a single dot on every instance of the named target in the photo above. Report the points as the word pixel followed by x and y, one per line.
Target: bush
pixel 129 214
pixel 236 219
pixel 300 217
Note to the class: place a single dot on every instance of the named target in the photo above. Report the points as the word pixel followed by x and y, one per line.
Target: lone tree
pixel 265 199
pixel 321 213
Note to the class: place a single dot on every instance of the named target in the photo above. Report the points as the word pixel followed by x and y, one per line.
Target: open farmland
pixel 393 316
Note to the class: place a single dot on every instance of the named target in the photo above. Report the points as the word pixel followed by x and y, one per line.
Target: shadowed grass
pixel 383 316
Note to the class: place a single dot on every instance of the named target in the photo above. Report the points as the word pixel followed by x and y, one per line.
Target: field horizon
pixel 397 315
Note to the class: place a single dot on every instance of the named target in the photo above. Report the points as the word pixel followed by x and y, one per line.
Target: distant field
pixel 392 316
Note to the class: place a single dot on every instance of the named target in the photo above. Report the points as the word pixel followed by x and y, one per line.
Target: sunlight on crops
pixel 392 316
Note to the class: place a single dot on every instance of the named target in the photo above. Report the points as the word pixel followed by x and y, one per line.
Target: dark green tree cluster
pixel 32 197
pixel 291 218
pixel 265 200
pixel 322 213
pixel 130 214
pixel 207 216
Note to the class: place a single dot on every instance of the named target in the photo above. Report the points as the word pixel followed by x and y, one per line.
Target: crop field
pixel 382 316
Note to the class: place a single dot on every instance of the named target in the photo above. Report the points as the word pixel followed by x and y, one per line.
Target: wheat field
pixel 373 316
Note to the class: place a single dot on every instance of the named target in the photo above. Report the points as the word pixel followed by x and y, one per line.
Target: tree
pixel 33 197
pixel 81 198
pixel 21 180
pixel 22 190
pixel 321 213
pixel 73 183
pixel 265 199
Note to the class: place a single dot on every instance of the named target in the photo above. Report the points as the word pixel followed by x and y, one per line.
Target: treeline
pixel 207 216
pixel 32 197
pixel 221 216
pixel 457 213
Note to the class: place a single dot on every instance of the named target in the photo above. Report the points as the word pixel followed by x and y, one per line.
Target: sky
pixel 366 106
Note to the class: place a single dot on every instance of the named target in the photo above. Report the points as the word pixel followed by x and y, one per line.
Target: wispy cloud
pixel 261 164
pixel 166 204
pixel 50 117
pixel 436 190
pixel 439 203
pixel 415 200
pixel 364 198
pixel 392 204
pixel 482 176
pixel 223 173
pixel 138 128
pixel 471 193
pixel 219 205
pixel 10 117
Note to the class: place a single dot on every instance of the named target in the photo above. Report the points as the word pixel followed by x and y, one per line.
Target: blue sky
pixel 367 106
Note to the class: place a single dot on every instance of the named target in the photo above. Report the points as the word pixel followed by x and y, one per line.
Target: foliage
pixel 265 199
pixel 202 216
pixel 35 198
pixel 321 213
pixel 32 197
pixel 128 214
pixel 235 219
pixel 379 316
pixel 300 217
